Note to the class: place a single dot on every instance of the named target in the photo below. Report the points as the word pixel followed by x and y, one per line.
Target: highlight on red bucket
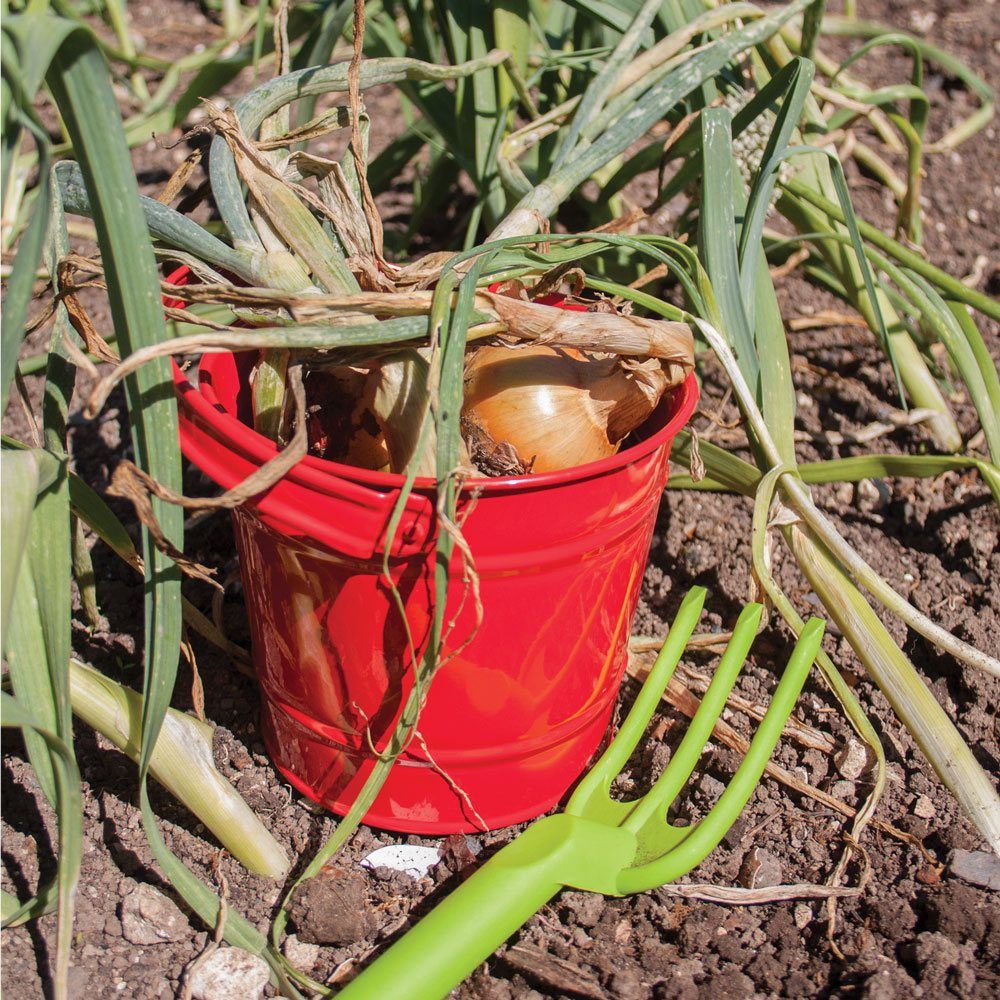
pixel 512 717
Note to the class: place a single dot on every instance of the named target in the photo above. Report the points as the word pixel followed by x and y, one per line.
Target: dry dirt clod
pixel 148 917
pixel 229 973
pixel 77 981
pixel 458 854
pixel 627 985
pixel 943 961
pixel 843 790
pixel 889 984
pixel 332 908
pixel 583 908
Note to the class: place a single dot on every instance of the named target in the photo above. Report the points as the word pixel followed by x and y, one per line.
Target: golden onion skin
pixel 555 408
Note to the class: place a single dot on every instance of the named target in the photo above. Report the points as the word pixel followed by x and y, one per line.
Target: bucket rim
pixel 232 432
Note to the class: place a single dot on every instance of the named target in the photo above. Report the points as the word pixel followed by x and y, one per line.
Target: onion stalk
pixel 182 762
pixel 833 568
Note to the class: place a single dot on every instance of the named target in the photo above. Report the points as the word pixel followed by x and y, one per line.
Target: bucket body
pixel 522 701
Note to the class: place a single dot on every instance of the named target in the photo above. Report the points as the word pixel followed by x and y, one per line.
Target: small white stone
pixel 923 21
pixel 924 808
pixel 803 915
pixel 972 215
pixel 852 760
pixel 301 954
pixel 148 917
pixel 867 495
pixel 229 973
pixel 413 859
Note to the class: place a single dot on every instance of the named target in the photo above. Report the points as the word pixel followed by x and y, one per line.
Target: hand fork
pixel 597 844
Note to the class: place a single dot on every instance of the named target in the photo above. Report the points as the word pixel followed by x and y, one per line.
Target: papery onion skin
pixel 552 407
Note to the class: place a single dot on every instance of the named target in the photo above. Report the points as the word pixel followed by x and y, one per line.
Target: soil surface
pixel 915 928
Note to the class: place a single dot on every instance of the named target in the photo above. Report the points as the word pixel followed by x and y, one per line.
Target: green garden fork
pixel 597 844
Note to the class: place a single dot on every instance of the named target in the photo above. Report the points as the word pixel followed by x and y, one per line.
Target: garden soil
pixel 917 925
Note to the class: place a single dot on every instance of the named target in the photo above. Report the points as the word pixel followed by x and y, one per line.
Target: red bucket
pixel 513 718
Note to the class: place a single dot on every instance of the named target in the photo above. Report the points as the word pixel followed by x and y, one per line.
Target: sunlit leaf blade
pixel 45 900
pixel 718 239
pixel 793 83
pixel 635 122
pixel 970 356
pixel 22 276
pixel 19 470
pixel 27 663
pixel 78 79
pixel 79 82
pixel 600 85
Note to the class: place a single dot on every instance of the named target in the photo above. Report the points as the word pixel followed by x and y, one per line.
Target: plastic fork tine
pixel 705 836
pixel 598 780
pixel 654 804
pixel 597 844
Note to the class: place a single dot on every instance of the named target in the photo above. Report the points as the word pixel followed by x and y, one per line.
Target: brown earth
pixel 912 931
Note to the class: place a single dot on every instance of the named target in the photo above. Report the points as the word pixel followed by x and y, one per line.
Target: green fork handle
pixel 468 925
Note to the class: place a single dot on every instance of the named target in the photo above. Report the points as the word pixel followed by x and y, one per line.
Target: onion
pixel 539 409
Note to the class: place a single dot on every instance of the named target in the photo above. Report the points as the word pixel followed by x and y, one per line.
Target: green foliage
pixel 550 109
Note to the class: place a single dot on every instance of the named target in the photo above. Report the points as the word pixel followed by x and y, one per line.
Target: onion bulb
pixel 539 409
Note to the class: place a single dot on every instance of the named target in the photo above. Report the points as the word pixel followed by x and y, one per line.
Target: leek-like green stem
pixel 818 548
pixel 896 677
pixel 799 498
pixel 182 762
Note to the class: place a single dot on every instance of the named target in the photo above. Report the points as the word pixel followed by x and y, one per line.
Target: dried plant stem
pixel 130 479
pixel 679 697
pixel 594 331
pixel 610 333
pixel 725 895
pixel 357 147
pixel 801 501
pixel 299 338
pixel 266 99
